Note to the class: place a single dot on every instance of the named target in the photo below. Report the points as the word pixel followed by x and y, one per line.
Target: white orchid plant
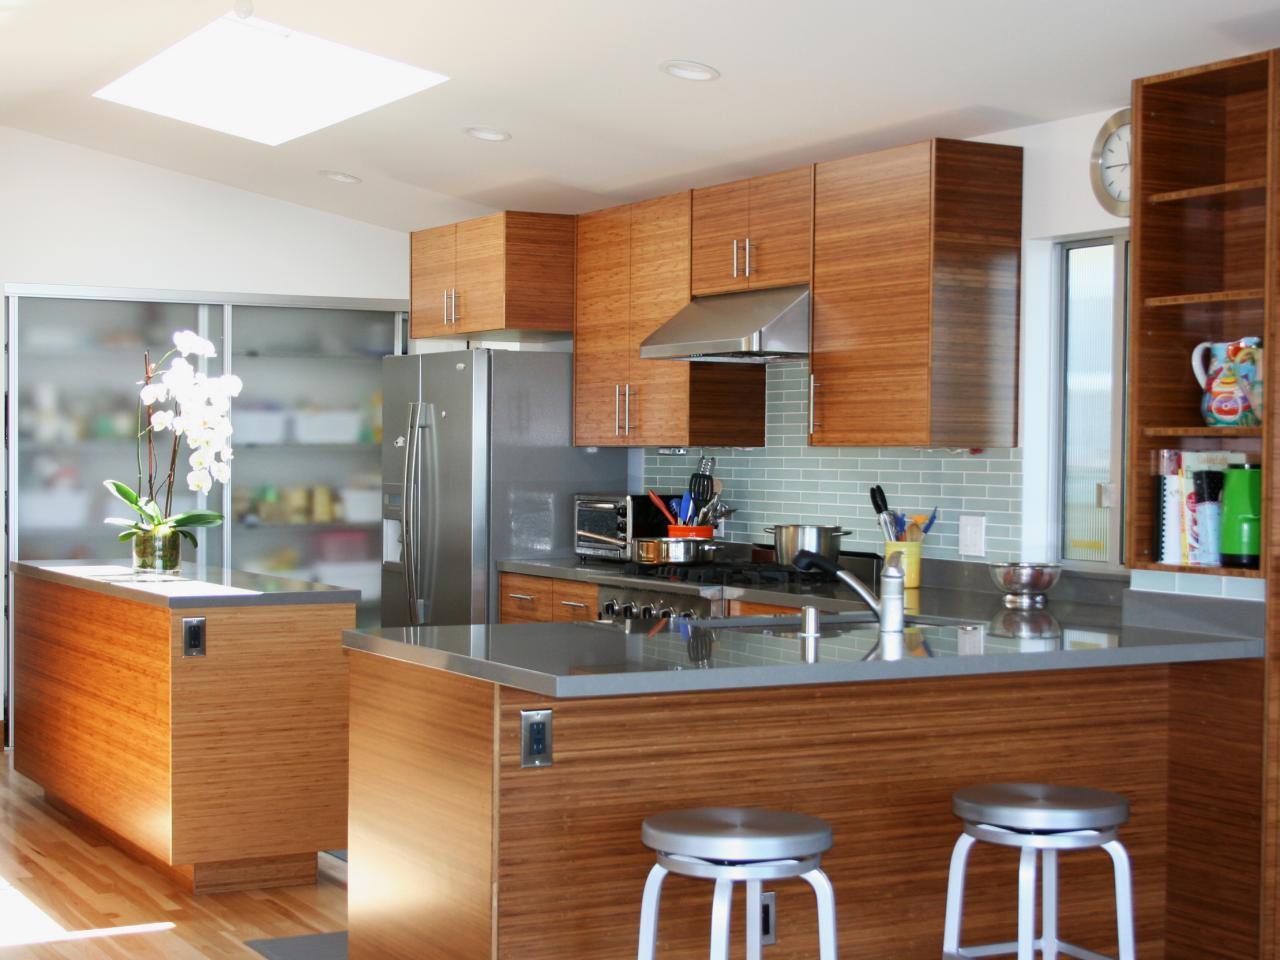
pixel 190 405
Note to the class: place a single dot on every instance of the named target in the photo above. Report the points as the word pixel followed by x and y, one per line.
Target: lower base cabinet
pixel 526 599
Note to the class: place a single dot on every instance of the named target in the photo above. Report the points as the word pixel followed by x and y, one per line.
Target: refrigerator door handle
pixel 409 514
pixel 431 534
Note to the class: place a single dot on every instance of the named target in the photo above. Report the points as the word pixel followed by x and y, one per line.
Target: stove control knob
pixel 666 613
pixel 628 611
pixel 610 608
pixel 686 615
pixel 647 612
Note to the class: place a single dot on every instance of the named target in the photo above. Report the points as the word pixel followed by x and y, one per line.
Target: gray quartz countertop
pixel 607 659
pixel 191 587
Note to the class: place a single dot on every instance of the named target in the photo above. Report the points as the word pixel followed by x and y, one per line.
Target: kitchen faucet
pixel 890 608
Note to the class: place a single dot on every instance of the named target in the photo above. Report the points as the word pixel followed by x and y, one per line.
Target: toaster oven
pixel 605 524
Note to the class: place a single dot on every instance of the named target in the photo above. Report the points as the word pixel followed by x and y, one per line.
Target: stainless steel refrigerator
pixel 477 466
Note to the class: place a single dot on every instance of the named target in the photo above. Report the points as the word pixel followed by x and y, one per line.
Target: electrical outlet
pixel 973 536
pixel 535 738
pixel 768 918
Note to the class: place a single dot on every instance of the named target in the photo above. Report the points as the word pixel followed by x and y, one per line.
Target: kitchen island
pixel 460 851
pixel 198 721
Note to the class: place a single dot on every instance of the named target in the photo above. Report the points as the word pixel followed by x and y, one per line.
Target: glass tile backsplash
pixel 787 481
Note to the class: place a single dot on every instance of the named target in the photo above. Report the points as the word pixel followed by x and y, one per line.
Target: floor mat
pixel 319 946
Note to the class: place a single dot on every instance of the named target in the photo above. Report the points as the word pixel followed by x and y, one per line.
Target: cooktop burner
pixel 728 574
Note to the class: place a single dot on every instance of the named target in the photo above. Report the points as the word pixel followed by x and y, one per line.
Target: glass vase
pixel 156 552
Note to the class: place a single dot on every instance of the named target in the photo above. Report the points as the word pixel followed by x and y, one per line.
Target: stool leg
pixel 955 895
pixel 826 898
pixel 753 919
pixel 649 912
pixel 1027 904
pixel 1049 906
pixel 720 908
pixel 1124 898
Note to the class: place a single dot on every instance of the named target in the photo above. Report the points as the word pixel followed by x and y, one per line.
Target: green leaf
pixel 121 522
pixel 196 518
pixel 127 535
pixel 189 537
pixel 122 491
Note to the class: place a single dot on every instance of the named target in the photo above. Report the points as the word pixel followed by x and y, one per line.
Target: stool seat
pixel 736 834
pixel 1040 807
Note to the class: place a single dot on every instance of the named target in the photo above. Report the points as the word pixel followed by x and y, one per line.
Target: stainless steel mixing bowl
pixel 1024 584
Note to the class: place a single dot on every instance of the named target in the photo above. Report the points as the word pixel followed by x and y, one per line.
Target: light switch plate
pixel 973 536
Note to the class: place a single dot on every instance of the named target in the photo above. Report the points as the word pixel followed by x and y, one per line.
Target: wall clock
pixel 1111 164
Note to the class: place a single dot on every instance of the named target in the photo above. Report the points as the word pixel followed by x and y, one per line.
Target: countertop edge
pixel 123 591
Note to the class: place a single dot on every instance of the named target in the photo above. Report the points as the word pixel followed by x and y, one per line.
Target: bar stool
pixel 1040 819
pixel 731 844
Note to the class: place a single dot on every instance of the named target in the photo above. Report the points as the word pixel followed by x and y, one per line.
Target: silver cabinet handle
pixel 520 596
pixel 813 387
pixel 746 245
pixel 444 307
pixel 573 603
pixel 453 313
pixel 617 409
pixel 627 402
pixel 735 259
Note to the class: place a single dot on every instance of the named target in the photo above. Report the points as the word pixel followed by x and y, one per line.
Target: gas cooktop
pixel 728 574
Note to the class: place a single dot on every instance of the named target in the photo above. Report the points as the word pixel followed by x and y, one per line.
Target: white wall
pixel 79 217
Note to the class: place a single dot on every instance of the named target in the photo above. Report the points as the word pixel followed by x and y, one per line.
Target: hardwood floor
pixel 56 874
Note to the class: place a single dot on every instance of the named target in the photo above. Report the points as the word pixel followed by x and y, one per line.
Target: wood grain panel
pixel 871 298
pixel 660 264
pixel 259 734
pixel 780 227
pixel 720 220
pixel 481 281
pixel 539 266
pixel 431 275
pixel 879 765
pixel 92 702
pixel 726 406
pixel 1215 810
pixel 745 608
pixel 525 599
pixel 421 881
pixel 977 255
pixel 602 314
pixel 574 601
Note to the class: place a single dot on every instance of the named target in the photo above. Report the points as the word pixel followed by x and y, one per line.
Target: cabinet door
pixel 659 389
pixel 481 278
pixel 871 299
pixel 780 229
pixel 431 272
pixel 574 601
pixel 600 348
pixel 524 599
pixel 720 224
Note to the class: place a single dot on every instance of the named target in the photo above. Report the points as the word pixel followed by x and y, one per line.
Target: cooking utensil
pixel 674 551
pixel 880 504
pixel 701 483
pixel 657 500
pixel 790 538
pixel 1025 584
pixel 933 518
pixel 704 515
pixel 686 507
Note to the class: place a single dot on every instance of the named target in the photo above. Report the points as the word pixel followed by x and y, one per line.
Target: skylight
pixel 255 79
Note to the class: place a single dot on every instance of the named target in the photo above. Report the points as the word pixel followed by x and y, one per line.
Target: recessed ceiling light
pixel 339 177
pixel 264 82
pixel 690 70
pixel 488 133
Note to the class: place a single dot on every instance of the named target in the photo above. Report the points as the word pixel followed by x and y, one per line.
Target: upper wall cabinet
pixel 632 276
pixel 915 297
pixel 508 271
pixel 752 234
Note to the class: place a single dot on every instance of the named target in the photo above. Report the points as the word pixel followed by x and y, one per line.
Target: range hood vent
pixel 751 327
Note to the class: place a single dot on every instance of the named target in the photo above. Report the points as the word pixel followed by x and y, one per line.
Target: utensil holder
pixel 685 530
pixel 910 550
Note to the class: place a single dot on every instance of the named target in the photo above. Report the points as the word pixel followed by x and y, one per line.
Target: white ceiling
pixel 593 120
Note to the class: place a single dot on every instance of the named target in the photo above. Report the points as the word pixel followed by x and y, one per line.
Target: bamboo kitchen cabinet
pixel 526 599
pixel 753 234
pixel 507 271
pixel 1202 267
pixel 633 268
pixel 916 259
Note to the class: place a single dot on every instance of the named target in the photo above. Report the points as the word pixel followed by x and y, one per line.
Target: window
pixel 1093 279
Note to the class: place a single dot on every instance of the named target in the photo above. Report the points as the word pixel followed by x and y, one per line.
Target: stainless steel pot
pixel 790 538
pixel 651 551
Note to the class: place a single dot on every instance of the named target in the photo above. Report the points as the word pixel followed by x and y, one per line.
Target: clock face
pixel 1115 163
pixel 1111 165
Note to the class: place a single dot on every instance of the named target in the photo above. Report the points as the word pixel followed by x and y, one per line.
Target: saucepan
pixel 790 538
pixel 652 551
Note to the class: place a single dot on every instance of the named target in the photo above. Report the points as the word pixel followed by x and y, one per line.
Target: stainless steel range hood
pixel 750 327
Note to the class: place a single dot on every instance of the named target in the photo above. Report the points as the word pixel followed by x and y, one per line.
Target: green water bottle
pixel 1241 535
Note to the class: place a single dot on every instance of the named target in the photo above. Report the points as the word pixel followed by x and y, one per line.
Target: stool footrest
pixel 1011 949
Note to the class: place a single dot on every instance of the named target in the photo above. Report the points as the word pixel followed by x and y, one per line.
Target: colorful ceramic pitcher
pixel 1232 383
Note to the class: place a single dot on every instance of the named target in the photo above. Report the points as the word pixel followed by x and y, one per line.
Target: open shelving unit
pixel 1202 267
